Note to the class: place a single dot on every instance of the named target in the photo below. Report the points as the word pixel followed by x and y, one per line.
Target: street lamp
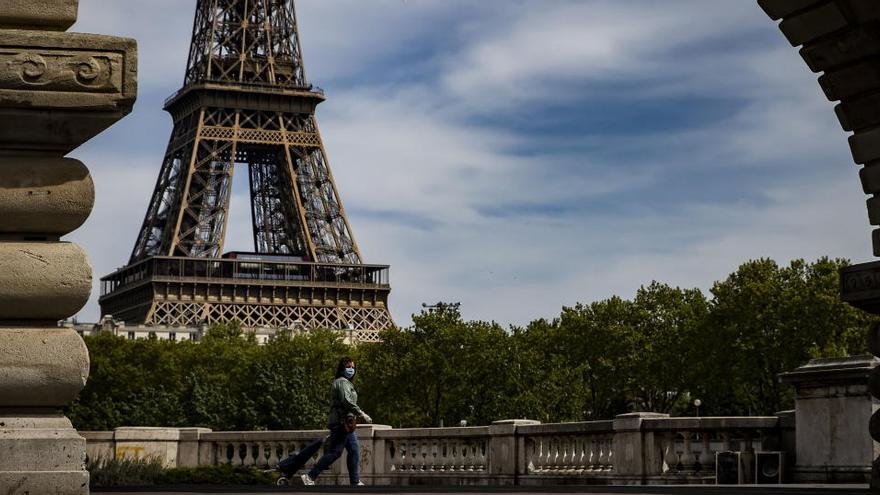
pixel 697 404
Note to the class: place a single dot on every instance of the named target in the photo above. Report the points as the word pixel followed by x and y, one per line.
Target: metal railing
pixel 178 269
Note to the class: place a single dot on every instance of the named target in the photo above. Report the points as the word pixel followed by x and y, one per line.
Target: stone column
pixel 832 405
pixel 188 446
pixel 636 453
pixel 504 453
pixel 57 90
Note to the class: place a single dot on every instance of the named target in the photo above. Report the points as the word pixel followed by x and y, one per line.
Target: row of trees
pixel 656 352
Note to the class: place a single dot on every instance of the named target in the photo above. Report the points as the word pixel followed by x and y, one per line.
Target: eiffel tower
pixel 246 105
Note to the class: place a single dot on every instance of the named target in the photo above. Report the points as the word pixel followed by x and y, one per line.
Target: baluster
pixel 449 458
pixel 261 459
pixel 670 457
pixel 455 455
pixel 559 461
pixel 602 462
pixel 403 455
pixel 574 458
pixel 564 454
pixel 424 451
pixel 416 456
pixel 406 455
pixel 706 459
pixel 482 460
pixel 567 455
pixel 417 461
pixel 465 452
pixel 272 461
pixel 441 455
pixel 548 454
pixel 221 452
pixel 232 453
pixel 687 459
pixel 248 458
pixel 562 458
pixel 253 454
pixel 390 458
pixel 555 455
pixel 537 462
pixel 432 456
pixel 431 453
pixel 582 459
pixel 609 447
pixel 590 456
pixel 427 449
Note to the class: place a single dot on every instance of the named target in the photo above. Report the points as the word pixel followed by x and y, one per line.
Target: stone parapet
pixel 632 449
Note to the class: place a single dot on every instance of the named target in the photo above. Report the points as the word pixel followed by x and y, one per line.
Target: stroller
pixel 287 468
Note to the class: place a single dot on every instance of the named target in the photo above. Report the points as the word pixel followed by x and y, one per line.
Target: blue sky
pixel 518 156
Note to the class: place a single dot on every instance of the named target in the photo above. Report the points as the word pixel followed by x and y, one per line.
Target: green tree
pixel 765 320
pixel 442 370
pixel 666 324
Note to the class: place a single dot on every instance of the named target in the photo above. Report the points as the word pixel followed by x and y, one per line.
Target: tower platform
pixel 176 291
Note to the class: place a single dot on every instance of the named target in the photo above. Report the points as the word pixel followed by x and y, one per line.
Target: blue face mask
pixel 349 373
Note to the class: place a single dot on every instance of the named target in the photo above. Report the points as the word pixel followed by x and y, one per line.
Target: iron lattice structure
pixel 246 103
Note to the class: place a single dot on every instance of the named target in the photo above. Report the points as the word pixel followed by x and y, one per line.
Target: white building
pixel 132 332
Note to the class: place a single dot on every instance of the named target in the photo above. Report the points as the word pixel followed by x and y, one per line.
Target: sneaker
pixel 307 480
pixel 360 483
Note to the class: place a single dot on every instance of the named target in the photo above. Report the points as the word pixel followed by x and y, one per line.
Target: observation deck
pixel 177 291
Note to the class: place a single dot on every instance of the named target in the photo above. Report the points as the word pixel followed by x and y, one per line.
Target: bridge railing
pixel 639 448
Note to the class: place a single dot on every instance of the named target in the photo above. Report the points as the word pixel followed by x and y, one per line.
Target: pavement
pixel 520 490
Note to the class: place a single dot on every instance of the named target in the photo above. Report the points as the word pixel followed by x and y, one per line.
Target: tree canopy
pixel 656 352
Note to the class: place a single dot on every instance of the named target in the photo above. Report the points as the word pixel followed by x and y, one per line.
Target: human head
pixel 344 363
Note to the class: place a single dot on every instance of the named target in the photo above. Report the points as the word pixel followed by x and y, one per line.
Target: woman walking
pixel 344 412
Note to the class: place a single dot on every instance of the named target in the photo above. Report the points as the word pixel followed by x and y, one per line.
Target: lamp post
pixel 697 404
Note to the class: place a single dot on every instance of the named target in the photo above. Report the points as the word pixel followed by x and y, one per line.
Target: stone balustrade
pixel 688 446
pixel 637 448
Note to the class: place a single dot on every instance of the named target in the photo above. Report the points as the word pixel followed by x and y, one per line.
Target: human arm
pixel 348 400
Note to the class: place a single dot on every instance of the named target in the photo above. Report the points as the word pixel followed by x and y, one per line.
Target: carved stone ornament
pixel 92 76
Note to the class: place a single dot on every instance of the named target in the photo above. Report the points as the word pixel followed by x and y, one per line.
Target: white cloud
pixel 418 167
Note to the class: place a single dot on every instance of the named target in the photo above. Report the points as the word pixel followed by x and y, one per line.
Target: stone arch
pixel 841 39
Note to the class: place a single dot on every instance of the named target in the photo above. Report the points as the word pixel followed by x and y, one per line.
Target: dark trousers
pixel 340 439
pixel 294 463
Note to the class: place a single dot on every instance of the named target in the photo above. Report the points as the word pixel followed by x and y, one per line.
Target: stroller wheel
pixel 283 481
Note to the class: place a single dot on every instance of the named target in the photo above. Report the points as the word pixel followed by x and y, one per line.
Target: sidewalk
pixel 522 490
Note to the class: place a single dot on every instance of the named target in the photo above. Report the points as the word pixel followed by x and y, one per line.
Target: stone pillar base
pixel 56 483
pixel 40 452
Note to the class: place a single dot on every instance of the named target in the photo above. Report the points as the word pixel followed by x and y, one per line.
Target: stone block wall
pixel 57 90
